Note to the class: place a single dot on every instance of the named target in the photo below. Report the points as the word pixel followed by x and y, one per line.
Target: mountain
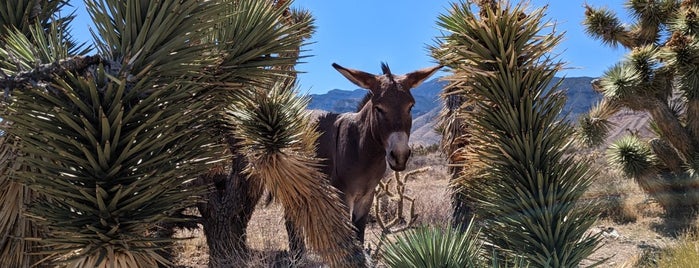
pixel 580 96
pixel 341 101
pixel 337 100
pixel 578 90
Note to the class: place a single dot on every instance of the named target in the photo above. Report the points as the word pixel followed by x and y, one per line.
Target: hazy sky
pixel 362 33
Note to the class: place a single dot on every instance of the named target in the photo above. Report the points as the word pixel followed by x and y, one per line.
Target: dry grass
pixel 632 226
pixel 267 240
pixel 267 237
pixel 637 240
pixel 192 249
pixel 432 203
pixel 618 197
pixel 684 254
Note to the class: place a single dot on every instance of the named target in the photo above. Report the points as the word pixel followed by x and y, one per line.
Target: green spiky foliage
pixel 434 247
pixel 123 134
pixel 117 135
pixel 659 76
pixel 265 126
pixel 525 187
pixel 22 15
pixel 455 246
pixel 28 23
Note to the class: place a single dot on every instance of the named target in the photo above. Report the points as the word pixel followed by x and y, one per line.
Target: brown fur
pixel 356 147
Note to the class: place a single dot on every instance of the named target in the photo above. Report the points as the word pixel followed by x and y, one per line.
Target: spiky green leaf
pixel 118 148
pixel 435 247
pixel 522 182
pixel 633 156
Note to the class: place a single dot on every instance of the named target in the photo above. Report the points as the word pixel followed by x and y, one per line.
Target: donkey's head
pixel 388 108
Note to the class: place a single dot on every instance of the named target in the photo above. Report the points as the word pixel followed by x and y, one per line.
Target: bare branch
pixel 46 72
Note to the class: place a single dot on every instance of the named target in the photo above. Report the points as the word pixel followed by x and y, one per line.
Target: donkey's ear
pixel 359 78
pixel 415 78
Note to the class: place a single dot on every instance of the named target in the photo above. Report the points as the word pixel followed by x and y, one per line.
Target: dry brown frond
pixel 311 203
pixel 14 197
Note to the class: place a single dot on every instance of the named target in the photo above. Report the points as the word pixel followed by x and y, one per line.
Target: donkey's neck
pixel 370 138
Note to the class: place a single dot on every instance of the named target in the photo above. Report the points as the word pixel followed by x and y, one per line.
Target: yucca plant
pixel 658 76
pixel 278 140
pixel 279 146
pixel 124 132
pixel 434 247
pixel 455 137
pixel 117 135
pixel 25 18
pixel 455 246
pixel 22 15
pixel 518 172
pixel 15 197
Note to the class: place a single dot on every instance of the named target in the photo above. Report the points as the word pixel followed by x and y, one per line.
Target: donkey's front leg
pixel 360 224
pixel 360 215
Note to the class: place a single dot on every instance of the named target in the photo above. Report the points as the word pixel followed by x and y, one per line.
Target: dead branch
pixel 46 72
pixel 384 194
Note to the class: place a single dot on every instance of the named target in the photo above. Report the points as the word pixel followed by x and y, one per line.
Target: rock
pixel 610 232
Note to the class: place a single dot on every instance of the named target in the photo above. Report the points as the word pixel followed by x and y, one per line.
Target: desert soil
pixel 622 243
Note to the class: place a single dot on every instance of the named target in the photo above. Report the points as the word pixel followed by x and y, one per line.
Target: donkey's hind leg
pixel 297 246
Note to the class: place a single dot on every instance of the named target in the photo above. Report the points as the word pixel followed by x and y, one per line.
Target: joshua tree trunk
pixel 226 214
pixel 455 136
pixel 462 211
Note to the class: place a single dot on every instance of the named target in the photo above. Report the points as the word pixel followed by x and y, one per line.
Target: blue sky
pixel 361 34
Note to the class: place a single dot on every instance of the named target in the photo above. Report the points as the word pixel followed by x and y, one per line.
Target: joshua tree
pixel 658 76
pixel 112 142
pixel 524 187
pixel 455 137
pixel 22 18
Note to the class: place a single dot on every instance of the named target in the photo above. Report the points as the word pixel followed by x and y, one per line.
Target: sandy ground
pixel 623 243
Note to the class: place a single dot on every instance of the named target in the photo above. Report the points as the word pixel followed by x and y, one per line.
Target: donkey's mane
pixel 363 102
pixel 387 72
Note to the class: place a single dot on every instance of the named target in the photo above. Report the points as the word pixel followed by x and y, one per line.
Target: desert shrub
pixel 615 195
pixel 435 247
pixel 684 254
pixel 433 208
pixel 616 205
pixel 425 149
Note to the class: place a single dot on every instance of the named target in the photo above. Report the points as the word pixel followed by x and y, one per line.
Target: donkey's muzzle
pixel 397 151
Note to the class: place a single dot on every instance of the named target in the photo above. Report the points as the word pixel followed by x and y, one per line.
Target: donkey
pixel 355 147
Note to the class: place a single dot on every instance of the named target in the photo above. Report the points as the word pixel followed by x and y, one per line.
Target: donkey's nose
pixel 397 151
pixel 407 155
pixel 397 159
pixel 396 165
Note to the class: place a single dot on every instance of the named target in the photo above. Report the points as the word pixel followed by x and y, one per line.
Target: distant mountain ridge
pixel 341 101
pixel 579 92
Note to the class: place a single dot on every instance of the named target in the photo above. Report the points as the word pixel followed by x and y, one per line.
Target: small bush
pixel 434 247
pixel 684 254
pixel 616 196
